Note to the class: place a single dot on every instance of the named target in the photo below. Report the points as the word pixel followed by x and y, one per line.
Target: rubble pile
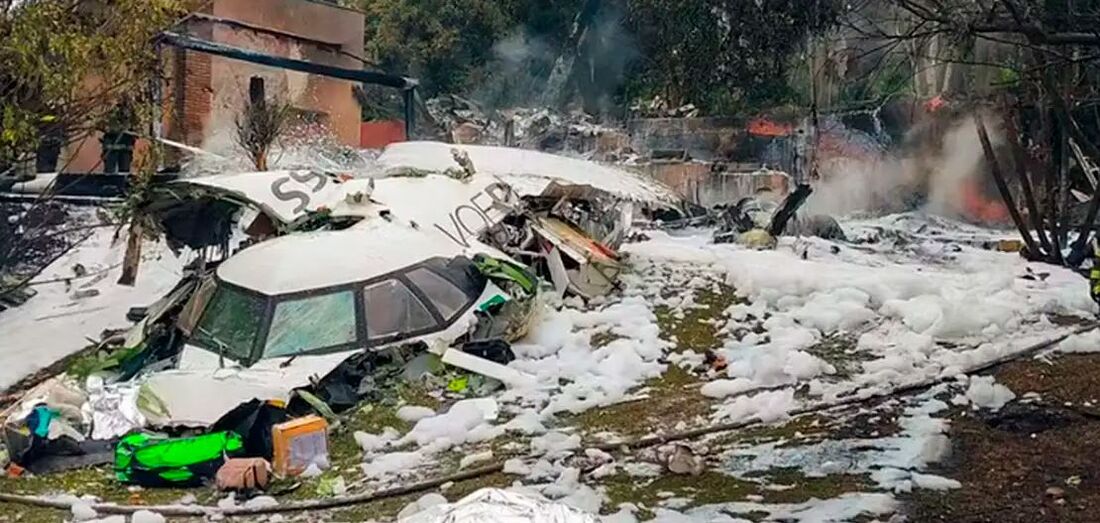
pixel 465 122
pixel 658 107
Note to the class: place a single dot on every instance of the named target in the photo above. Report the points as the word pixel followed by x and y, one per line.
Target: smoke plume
pixel 942 172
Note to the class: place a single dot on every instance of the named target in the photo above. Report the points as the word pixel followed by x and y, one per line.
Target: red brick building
pixel 203 93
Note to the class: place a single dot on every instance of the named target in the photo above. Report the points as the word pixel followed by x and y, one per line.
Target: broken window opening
pixel 310 324
pixel 447 299
pixel 231 323
pixel 391 309
pixel 256 93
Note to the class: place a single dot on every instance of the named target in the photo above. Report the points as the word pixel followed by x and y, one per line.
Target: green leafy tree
pixel 448 44
pixel 442 42
pixel 723 55
pixel 64 64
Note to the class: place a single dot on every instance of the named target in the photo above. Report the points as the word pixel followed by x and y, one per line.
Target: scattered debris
pixel 499 506
pixel 756 222
pixel 315 313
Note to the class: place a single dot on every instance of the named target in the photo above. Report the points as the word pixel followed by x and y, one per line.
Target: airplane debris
pixel 315 312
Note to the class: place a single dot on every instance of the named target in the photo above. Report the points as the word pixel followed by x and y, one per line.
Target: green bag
pixel 157 461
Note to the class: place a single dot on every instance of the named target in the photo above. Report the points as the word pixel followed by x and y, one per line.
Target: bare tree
pixel 261 123
pixel 1039 59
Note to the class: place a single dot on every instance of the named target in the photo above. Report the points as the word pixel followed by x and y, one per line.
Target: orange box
pixel 299 442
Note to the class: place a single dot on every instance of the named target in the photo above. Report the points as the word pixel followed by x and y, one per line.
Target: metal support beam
pixel 410 112
pixel 246 55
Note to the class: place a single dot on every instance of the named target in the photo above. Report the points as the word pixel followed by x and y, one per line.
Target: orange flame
pixel 764 127
pixel 978 207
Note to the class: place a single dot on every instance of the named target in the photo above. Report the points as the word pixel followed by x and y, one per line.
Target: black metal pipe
pixel 410 112
pixel 246 55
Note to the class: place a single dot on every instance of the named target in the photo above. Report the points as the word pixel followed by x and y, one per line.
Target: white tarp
pixel 500 506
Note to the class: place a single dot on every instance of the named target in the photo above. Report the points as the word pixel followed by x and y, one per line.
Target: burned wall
pixel 326 34
pixel 701 138
pixel 708 183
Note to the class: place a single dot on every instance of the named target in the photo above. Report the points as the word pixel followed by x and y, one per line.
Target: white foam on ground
pixel 53 325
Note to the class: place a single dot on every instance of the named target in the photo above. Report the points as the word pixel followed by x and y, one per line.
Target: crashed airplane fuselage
pixel 345 265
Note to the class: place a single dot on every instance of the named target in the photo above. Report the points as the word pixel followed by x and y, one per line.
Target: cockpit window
pixel 446 298
pixel 308 324
pixel 230 323
pixel 391 308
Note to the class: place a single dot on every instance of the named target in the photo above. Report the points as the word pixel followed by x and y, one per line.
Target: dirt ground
pixel 1035 460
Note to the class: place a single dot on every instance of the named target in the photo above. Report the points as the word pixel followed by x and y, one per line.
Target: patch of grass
pixel 697 330
pixel 838 351
pixel 418 395
pixel 806 488
pixel 374 418
pixel 99 482
pixel 808 425
pixel 706 488
pixel 95 481
pixel 604 338
pixel 465 488
pixel 345 454
pixel 674 379
pixel 756 515
pixel 378 511
pixel 24 514
pixel 672 399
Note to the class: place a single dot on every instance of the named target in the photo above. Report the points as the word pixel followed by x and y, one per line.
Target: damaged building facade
pixel 203 94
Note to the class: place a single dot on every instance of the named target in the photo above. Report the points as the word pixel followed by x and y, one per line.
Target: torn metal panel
pixel 757 222
pixel 596 267
pixel 138 333
pixel 284 195
pixel 558 274
pixel 173 400
pixel 189 316
pixel 200 212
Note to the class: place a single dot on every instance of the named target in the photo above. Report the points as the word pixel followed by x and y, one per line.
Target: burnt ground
pixel 1035 460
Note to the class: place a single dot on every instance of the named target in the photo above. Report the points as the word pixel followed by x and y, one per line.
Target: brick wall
pixel 333 99
pixel 203 93
pixel 190 96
